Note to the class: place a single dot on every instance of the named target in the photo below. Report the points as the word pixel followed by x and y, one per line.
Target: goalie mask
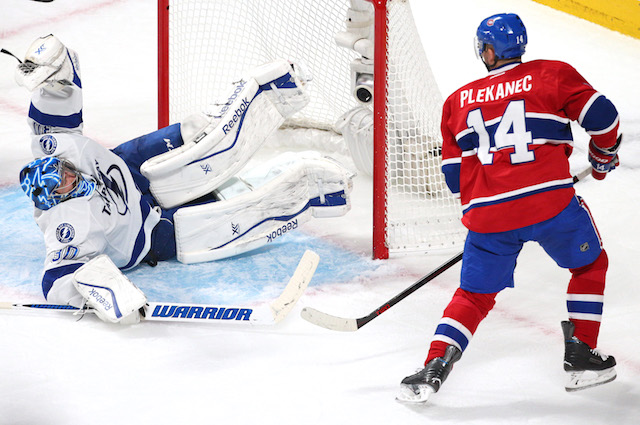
pixel 49 181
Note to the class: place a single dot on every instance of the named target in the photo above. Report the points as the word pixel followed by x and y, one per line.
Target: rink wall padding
pixel 619 15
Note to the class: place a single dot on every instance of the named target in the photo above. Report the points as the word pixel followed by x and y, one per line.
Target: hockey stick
pixel 211 313
pixel 336 323
pixel 6 52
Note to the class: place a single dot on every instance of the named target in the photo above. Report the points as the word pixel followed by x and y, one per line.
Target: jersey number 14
pixel 510 132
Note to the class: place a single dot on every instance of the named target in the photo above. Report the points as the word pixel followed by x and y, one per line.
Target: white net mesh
pixel 422 214
pixel 215 42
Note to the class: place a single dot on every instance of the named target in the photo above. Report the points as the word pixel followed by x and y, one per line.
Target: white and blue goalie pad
pixel 217 145
pixel 261 205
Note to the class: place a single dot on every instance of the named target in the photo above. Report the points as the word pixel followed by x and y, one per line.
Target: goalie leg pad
pixel 291 193
pixel 217 147
pixel 109 292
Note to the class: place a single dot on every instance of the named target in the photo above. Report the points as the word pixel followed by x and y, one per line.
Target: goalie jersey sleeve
pixel 507 139
pixel 114 220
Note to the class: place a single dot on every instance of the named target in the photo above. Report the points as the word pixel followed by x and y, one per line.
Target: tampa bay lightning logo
pixel 65 233
pixel 114 189
pixel 48 144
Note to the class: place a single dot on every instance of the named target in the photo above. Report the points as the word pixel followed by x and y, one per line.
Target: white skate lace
pixel 597 352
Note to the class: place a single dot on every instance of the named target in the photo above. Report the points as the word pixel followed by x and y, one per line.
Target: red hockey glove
pixel 603 160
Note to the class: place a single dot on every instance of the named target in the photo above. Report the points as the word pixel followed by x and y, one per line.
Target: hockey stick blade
pixel 211 313
pixel 328 321
pixel 336 323
pixel 296 286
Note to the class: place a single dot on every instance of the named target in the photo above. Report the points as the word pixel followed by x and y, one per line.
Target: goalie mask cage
pixel 204 45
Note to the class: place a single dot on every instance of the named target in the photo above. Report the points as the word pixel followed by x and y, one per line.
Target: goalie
pixel 177 192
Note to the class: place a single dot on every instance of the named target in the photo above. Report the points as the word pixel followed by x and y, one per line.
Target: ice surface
pixel 57 370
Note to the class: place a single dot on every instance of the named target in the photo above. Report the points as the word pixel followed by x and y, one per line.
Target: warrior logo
pixel 201 312
pixel 65 233
pixel 48 144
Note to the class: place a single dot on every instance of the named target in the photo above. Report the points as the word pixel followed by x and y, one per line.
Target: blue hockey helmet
pixel 40 180
pixel 505 32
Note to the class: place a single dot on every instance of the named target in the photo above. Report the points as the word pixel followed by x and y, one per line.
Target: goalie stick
pixel 212 313
pixel 336 323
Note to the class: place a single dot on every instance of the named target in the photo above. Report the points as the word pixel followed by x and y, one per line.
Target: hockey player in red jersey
pixel 506 144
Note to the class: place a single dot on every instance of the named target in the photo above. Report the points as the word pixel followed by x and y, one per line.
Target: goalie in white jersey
pixel 180 191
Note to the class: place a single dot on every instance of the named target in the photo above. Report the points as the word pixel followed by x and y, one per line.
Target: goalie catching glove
pixel 603 160
pixel 48 63
pixel 110 293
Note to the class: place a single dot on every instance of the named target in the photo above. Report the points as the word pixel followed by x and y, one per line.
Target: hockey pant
pixel 467 309
pixel 134 153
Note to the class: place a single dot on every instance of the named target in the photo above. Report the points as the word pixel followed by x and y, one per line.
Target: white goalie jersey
pixel 115 220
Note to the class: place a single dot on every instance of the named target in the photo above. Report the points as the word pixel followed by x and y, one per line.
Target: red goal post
pixel 413 210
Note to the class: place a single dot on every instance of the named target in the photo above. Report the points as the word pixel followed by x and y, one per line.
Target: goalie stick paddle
pixel 212 313
pixel 336 323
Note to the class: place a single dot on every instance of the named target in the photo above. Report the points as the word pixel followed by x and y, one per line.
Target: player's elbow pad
pixel 601 119
pixel 452 176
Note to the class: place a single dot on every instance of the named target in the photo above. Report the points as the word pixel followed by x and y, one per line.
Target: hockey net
pixel 206 44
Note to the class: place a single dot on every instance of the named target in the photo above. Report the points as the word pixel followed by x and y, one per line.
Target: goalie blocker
pixel 110 293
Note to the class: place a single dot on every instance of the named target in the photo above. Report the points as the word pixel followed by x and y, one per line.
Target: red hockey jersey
pixel 507 139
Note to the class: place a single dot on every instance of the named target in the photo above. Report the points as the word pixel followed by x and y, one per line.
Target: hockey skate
pixel 418 387
pixel 586 366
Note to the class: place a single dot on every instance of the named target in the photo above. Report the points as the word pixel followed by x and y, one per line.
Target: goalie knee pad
pixel 218 145
pixel 260 206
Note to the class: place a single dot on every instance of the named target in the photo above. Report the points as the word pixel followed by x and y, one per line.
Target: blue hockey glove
pixel 603 160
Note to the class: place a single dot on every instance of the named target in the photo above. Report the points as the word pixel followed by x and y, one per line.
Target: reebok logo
pixel 237 115
pixel 293 224
pixel 100 299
